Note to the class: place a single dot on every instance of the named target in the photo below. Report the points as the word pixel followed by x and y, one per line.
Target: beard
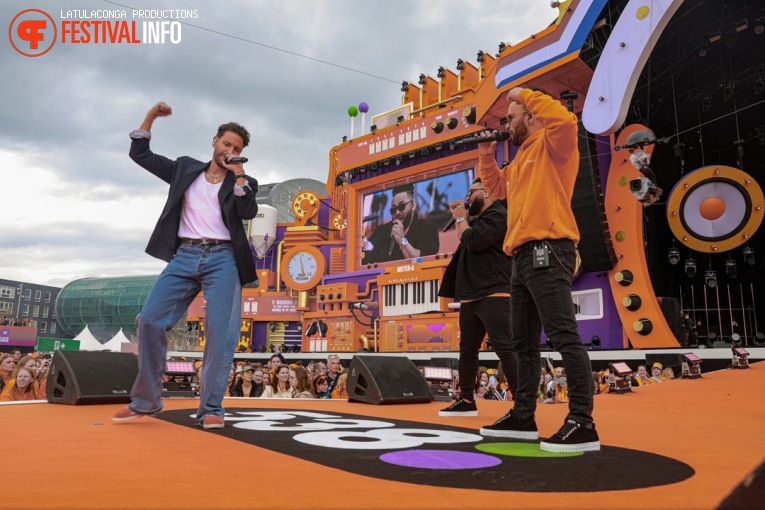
pixel 404 219
pixel 520 134
pixel 475 206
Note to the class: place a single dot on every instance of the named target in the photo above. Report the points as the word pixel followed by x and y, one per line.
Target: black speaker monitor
pixel 386 380
pixel 91 377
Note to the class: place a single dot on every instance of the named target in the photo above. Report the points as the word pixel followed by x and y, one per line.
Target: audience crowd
pixel 25 378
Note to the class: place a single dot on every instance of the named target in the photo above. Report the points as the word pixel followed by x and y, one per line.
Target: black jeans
pixel 489 315
pixel 542 299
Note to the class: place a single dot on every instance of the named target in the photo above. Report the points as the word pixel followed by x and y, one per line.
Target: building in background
pixel 35 304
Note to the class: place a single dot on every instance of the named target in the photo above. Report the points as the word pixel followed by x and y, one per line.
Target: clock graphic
pixel 303 267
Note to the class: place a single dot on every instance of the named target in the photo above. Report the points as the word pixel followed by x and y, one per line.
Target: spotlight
pixel 351 175
pixel 480 56
pixel 710 278
pixel 674 256
pixel 438 146
pixel 424 152
pixel 460 64
pixel 345 138
pixel 502 47
pixel 759 339
pixel 703 50
pixel 373 128
pixel 742 25
pixel 422 80
pixel 398 160
pixel 386 162
pixel 272 326
pixel 404 86
pixel 411 155
pixel 730 268
pixel 595 341
pixel 373 167
pixel 690 268
pixel 759 26
pixel 441 72
pixel 399 119
pixel 749 256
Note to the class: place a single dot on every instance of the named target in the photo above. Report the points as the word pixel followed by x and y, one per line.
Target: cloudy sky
pixel 75 206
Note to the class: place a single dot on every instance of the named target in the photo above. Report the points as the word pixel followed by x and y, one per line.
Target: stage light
pixel 400 119
pixel 595 341
pixel 373 128
pixel 404 86
pixel 351 174
pixel 272 326
pixel 624 373
pixel 759 339
pixel 674 255
pixel 398 160
pixel 411 155
pixel 441 73
pixel 740 357
pixel 690 366
pixel 502 47
pixel 438 146
pixel 710 278
pixel 424 152
pixel 480 56
pixel 345 138
pixel 749 255
pixel 460 64
pixel 386 162
pixel 730 268
pixel 759 26
pixel 422 80
pixel 742 25
pixel 713 38
pixel 703 50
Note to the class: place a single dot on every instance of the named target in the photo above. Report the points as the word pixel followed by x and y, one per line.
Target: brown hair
pixel 236 129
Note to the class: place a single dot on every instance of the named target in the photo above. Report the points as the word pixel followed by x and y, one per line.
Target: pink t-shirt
pixel 201 216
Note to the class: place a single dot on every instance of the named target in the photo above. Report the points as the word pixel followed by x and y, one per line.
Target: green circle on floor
pixel 521 450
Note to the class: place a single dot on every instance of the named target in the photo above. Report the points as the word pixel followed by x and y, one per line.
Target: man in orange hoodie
pixel 541 237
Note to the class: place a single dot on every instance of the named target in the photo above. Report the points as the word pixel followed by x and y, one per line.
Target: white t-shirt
pixel 201 216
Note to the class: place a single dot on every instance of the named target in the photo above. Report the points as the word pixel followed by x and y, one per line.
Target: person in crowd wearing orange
pixel 248 386
pixel 7 366
pixel 340 391
pixel 21 387
pixel 301 387
pixel 641 376
pixel 321 387
pixel 541 238
pixel 668 374
pixel 280 385
pixel 656 373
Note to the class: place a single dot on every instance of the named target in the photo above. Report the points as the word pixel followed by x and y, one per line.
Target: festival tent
pixel 115 344
pixel 87 341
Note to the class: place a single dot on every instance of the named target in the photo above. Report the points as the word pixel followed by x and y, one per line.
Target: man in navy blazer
pixel 200 234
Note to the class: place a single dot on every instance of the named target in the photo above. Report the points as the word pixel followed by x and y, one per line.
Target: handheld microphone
pixel 452 220
pixel 392 245
pixel 497 136
pixel 233 161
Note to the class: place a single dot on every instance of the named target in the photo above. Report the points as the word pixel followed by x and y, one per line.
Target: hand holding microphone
pixel 459 209
pixel 396 234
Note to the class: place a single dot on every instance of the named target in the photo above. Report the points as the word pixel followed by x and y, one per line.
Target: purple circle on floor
pixel 440 459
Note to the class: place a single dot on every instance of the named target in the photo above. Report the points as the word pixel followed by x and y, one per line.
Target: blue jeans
pixel 541 298
pixel 211 269
pixel 488 315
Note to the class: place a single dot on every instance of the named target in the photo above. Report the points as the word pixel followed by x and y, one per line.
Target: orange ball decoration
pixel 712 208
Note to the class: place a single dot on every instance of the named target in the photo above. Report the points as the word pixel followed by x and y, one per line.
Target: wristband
pixel 241 176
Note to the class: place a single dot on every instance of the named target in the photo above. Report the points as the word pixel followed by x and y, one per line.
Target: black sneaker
pixel 509 426
pixel 460 408
pixel 572 437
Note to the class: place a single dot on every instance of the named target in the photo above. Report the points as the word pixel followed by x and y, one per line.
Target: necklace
pixel 213 176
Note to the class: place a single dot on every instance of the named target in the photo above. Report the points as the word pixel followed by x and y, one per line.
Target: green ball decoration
pixel 353 111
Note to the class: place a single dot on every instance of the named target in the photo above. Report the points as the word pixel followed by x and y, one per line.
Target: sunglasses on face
pixel 400 207
pixel 471 191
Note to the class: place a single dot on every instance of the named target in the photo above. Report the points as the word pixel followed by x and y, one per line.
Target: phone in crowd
pixel 492 381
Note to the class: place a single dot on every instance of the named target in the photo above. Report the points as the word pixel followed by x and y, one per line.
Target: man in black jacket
pixel 201 236
pixel 479 276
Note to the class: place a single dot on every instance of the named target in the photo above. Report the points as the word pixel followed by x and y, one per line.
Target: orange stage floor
pixel 681 444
